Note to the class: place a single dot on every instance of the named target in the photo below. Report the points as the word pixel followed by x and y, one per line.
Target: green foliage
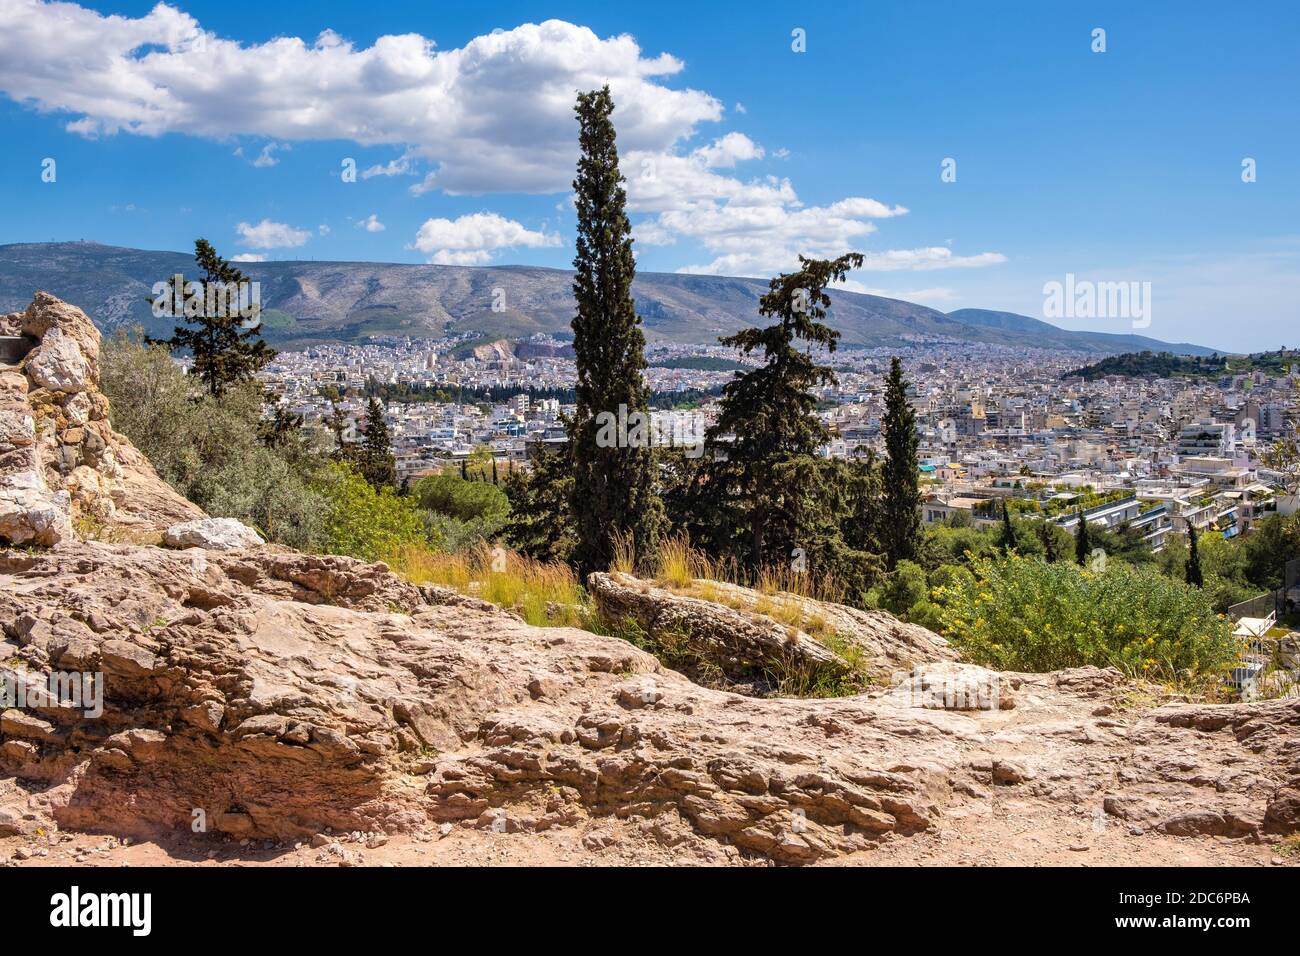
pixel 1019 613
pixel 1192 574
pixel 614 493
pixel 905 593
pixel 1271 543
pixel 226 349
pixel 364 522
pixel 217 452
pixel 754 501
pixel 375 456
pixel 1082 540
pixel 541 524
pixel 900 519
pixel 461 513
pixel 454 496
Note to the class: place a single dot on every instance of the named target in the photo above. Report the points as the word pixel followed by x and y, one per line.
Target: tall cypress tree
pixel 614 488
pixel 1007 541
pixel 1082 541
pixel 226 345
pixel 900 525
pixel 756 492
pixel 377 462
pixel 1192 573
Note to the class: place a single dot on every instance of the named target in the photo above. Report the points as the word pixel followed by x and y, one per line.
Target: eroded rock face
pixel 61 464
pixel 280 693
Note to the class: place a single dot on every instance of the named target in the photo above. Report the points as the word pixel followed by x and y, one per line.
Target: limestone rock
pixel 284 694
pixel 62 467
pixel 213 534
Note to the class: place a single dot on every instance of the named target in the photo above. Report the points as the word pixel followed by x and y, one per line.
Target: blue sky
pixel 1115 166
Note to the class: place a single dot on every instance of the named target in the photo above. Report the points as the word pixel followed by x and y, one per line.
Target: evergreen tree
pixel 1007 539
pixel 1082 542
pixel 1047 535
pixel 494 470
pixel 900 527
pixel 541 523
pixel 751 492
pixel 1192 574
pixel 614 488
pixel 227 346
pixel 376 453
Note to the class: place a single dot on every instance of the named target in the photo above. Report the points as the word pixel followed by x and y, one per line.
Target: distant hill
pixel 307 303
pixel 1168 365
pixel 1046 335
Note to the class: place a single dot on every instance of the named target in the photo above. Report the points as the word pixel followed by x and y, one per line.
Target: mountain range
pixel 309 302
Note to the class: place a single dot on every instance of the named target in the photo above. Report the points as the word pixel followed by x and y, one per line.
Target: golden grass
pixel 544 594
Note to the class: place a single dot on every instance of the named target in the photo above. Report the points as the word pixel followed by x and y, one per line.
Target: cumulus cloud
pixel 471 240
pixel 248 257
pixel 371 224
pixel 271 235
pixel 493 115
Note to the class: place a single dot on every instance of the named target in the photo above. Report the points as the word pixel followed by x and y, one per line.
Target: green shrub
pixel 1023 614
pixel 362 522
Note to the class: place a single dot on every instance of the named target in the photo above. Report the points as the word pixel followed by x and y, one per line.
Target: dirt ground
pixel 1006 835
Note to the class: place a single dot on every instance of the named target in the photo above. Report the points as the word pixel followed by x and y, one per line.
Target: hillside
pixel 314 302
pixel 1046 335
pixel 1167 365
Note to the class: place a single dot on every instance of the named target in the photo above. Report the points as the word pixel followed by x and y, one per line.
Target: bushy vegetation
pixel 1018 613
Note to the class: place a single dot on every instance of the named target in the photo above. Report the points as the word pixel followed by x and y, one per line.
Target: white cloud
pixel 729 150
pixel 267 156
pixel 472 239
pixel 402 166
pixel 371 224
pixel 493 115
pixel 248 257
pixel 271 235
pixel 323 229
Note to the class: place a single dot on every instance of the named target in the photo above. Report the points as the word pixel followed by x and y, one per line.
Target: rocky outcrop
pixel 271 694
pixel 213 534
pixel 62 467
pixel 750 637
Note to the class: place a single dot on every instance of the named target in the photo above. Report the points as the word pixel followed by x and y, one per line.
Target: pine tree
pixel 376 453
pixel 751 493
pixel 614 488
pixel 900 527
pixel 1192 573
pixel 1007 540
pixel 1082 542
pixel 227 346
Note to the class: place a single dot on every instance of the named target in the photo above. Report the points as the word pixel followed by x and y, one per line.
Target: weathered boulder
pixel 63 469
pixel 213 534
pixel 747 649
pixel 750 636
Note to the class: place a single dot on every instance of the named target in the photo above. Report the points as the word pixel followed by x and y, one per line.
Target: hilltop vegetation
pixel 1169 365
